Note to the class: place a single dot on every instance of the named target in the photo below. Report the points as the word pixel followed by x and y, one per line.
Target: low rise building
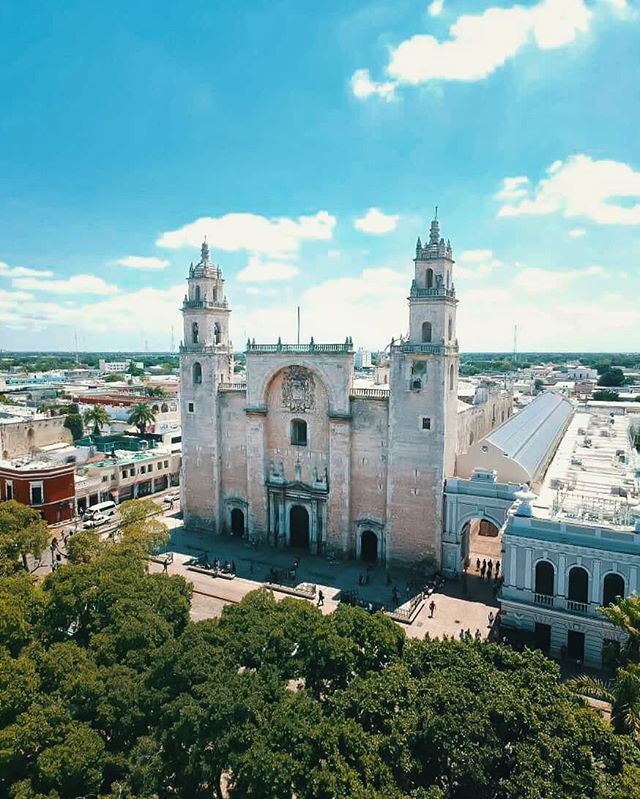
pixel 44 485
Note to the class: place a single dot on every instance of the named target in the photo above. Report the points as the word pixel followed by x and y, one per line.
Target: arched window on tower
pixel 197 293
pixel 452 377
pixel 194 332
pixel 216 333
pixel 429 278
pixel 197 373
pixel 426 331
pixel 450 328
pixel 299 432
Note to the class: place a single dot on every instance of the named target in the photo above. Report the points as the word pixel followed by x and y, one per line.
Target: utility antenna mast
pixel 515 343
pixel 298 324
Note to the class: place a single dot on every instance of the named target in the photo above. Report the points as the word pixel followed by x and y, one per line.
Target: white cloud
pixel 376 222
pixel 276 236
pixel 142 262
pixel 22 271
pixel 531 279
pixel 337 308
pixel 579 187
pixel 475 264
pixel 362 86
pixel 77 284
pixel 435 8
pixel 577 232
pixel 479 44
pixel 262 272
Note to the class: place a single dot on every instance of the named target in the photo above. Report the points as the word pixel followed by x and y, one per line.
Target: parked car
pixel 169 498
pixel 96 520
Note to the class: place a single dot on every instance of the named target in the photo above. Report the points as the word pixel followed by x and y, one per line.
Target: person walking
pixel 497 567
pixel 491 618
pixel 477 635
pixel 483 568
pixel 461 634
pixel 432 607
pixel 477 564
pixel 320 599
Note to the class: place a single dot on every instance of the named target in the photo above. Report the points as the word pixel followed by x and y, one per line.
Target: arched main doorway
pixel 299 527
pixel 369 546
pixel 237 522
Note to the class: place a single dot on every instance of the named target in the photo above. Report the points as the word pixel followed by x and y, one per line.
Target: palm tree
pixel 622 693
pixel 142 415
pixel 96 416
pixel 625 615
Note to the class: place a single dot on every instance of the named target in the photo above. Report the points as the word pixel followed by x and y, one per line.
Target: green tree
pixel 113 378
pixel 73 422
pixel 96 416
pixel 22 533
pixel 141 415
pixel 625 615
pixel 155 391
pixel 612 377
pixel 623 694
pixel 605 395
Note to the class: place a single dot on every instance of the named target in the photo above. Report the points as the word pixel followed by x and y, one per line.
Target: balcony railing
pixel 371 393
pixel 204 304
pixel 438 292
pixel 543 599
pixel 426 349
pixel 577 607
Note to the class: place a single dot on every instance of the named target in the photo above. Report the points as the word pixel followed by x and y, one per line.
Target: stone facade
pixel 297 456
pixel 24 437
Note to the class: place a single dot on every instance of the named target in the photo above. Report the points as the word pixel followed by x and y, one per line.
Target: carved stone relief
pixel 298 390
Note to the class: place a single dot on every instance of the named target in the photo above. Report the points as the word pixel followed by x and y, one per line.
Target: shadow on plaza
pixel 357 580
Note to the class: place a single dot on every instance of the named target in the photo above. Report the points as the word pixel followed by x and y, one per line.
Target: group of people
pixel 486 567
pixel 228 566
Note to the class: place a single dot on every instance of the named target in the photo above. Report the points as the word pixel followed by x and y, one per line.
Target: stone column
pixel 339 515
pixel 561 587
pixel 528 569
pixel 256 489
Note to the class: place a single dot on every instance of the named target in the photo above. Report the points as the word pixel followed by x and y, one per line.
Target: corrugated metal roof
pixel 532 435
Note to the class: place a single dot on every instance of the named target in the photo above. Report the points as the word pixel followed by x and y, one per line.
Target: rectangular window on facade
pixel 426 423
pixel 105 477
pixel 166 464
pixel 8 489
pixel 143 469
pixel 37 495
pixel 190 407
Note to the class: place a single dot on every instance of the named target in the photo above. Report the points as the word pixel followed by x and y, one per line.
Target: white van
pixel 103 508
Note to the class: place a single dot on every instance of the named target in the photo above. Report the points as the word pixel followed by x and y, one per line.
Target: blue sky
pixel 310 141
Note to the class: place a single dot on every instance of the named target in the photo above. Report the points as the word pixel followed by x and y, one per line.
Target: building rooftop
pixel 594 477
pixel 529 436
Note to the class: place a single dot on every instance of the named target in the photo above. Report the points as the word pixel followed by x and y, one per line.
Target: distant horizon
pixel 523 354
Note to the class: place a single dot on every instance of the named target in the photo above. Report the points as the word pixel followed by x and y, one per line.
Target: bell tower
pixel 206 360
pixel 423 406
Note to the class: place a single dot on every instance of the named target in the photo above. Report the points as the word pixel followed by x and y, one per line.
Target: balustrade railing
pixel 232 386
pixel 371 393
pixel 577 607
pixel 543 599
pixel 311 347
pixel 204 304
pixel 438 292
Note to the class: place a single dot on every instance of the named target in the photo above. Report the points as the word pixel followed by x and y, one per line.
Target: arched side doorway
pixel 369 546
pixel 480 541
pixel 237 522
pixel 299 527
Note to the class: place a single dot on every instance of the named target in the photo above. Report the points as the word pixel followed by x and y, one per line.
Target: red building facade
pixel 47 488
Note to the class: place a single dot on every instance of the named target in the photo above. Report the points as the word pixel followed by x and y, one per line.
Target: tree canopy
pixel 108 689
pixel 141 415
pixel 22 533
pixel 612 377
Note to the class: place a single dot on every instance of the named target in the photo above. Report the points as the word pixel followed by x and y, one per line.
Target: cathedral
pixel 296 456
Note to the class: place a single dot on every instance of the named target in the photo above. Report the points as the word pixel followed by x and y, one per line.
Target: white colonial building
pixel 297 456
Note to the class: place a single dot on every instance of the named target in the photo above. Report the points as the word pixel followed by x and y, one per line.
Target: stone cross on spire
pixel 204 252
